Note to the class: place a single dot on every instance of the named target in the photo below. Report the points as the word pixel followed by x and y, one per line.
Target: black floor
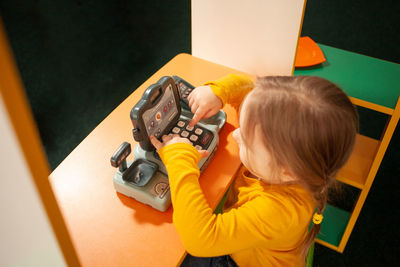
pixel 80 59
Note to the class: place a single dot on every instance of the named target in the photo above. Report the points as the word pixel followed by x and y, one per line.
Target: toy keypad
pixel 199 136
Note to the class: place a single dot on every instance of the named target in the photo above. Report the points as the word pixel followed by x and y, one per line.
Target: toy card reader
pixel 163 109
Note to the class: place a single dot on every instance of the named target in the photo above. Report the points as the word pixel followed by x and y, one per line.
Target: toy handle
pixel 118 159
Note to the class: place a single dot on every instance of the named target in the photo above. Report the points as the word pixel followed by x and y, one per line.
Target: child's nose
pixel 236 135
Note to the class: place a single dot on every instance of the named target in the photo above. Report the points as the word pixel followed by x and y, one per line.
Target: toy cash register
pixel 163 109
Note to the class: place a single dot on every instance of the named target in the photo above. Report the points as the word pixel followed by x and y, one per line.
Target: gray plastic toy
pixel 161 110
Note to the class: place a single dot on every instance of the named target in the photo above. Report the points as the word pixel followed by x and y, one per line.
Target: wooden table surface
pixel 110 229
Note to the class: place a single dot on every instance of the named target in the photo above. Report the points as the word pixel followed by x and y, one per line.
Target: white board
pixel 27 238
pixel 255 36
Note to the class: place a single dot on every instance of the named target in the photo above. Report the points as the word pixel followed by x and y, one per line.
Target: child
pixel 295 134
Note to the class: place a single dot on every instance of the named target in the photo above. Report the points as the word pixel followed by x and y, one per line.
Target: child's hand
pixel 172 139
pixel 203 104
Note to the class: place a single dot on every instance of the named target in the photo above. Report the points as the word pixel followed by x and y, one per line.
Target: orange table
pixel 110 229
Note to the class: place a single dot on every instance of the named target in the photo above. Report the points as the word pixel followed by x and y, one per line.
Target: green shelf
pixel 373 84
pixel 333 225
pixel 362 77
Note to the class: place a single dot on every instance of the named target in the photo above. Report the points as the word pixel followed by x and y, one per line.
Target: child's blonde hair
pixel 308 125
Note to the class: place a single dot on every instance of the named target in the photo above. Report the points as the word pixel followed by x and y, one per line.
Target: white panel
pixel 27 238
pixel 255 36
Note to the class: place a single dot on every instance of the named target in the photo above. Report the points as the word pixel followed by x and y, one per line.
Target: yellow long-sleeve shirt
pixel 264 224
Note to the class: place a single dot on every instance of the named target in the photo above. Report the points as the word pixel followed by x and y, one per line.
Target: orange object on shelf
pixel 308 53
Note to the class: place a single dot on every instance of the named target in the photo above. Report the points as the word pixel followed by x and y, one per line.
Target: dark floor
pixel 80 59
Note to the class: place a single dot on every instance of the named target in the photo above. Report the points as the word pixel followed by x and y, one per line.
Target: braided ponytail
pixel 321 198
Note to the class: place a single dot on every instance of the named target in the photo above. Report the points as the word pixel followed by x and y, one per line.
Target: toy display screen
pixel 160 116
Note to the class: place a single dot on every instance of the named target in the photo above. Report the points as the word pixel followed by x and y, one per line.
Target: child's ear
pixel 287 175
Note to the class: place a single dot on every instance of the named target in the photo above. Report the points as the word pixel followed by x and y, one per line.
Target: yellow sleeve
pixel 204 233
pixel 231 89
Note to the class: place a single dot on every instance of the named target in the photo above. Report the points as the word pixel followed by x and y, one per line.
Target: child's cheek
pixel 243 156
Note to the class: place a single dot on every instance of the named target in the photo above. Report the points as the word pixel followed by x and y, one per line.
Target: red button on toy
pixel 158 116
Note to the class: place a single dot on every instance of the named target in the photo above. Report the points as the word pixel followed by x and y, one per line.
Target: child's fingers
pixel 190 97
pixel 202 113
pixel 157 144
pixel 190 100
pixel 194 107
pixel 210 113
pixel 204 153
pixel 166 138
pixel 196 117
